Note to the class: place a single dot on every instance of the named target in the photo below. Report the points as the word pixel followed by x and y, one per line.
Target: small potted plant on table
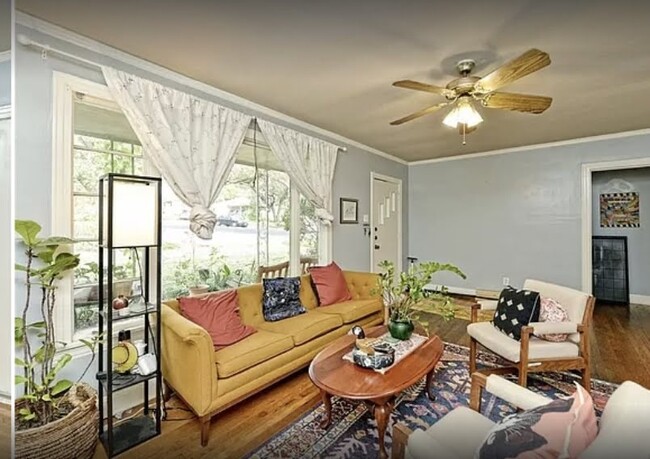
pixel 404 293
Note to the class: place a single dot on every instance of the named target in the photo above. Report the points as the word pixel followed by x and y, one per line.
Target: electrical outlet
pixel 506 281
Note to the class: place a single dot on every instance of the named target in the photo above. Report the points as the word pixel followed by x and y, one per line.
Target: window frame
pixel 65 87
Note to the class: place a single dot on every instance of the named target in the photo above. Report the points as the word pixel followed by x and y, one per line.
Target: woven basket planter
pixel 74 436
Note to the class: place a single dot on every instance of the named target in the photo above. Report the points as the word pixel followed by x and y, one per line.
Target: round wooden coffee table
pixel 335 376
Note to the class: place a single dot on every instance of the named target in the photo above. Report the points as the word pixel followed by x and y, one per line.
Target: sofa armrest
pixel 362 285
pixel 188 360
pixel 543 328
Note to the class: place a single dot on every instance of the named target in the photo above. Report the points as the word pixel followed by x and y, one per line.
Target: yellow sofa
pixel 211 381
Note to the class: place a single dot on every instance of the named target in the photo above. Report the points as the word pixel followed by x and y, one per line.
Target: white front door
pixel 386 222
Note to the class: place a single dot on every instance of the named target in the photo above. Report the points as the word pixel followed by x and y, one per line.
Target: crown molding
pixel 538 146
pixel 5 55
pixel 94 46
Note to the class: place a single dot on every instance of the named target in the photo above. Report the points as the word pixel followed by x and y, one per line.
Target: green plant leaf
pixel 61 386
pixel 19 379
pixel 20 362
pixel 37 325
pixel 55 241
pixel 28 231
pixel 62 362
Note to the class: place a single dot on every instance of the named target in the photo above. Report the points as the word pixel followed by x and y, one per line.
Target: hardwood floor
pixel 5 430
pixel 620 350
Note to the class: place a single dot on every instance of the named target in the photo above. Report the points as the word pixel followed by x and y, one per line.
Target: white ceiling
pixel 331 63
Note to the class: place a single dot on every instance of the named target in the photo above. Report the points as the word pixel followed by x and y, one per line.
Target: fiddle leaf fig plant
pixel 47 262
pixel 405 293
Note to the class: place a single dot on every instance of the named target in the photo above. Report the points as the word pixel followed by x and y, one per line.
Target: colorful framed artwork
pixel 619 210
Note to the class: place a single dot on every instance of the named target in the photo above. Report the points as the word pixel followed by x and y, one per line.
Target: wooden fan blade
pixel 422 112
pixel 416 85
pixel 529 62
pixel 517 102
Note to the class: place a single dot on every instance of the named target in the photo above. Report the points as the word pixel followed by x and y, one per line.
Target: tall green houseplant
pixel 405 294
pixel 47 261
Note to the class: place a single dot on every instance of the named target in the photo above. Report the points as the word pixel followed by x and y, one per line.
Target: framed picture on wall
pixel 349 210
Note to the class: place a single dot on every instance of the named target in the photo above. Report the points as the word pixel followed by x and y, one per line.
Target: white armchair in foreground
pixel 624 428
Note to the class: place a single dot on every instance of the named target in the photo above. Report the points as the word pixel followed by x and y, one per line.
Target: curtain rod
pixel 45 49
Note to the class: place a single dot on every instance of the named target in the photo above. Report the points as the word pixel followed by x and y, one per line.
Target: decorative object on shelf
pixel 349 210
pixel 619 210
pixel 129 218
pixel 199 289
pixel 404 291
pixel 55 418
pixel 124 356
pixel 121 305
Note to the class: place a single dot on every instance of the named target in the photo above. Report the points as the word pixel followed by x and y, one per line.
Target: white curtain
pixel 192 142
pixel 309 162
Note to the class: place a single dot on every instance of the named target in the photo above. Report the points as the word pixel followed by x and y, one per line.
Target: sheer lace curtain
pixel 310 163
pixel 192 142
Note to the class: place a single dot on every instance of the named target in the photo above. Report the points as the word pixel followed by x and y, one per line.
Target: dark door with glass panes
pixel 610 269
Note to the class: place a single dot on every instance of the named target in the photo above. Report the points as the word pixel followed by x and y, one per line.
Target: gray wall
pixel 638 239
pixel 5 83
pixel 513 215
pixel 34 152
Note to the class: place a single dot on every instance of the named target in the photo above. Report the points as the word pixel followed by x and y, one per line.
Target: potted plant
pixel 405 291
pixel 55 417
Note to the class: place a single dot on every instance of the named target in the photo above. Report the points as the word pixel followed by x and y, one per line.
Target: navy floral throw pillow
pixel 281 298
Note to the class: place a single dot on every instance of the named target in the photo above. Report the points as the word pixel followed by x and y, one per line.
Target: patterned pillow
pixel 552 311
pixel 515 309
pixel 281 298
pixel 562 428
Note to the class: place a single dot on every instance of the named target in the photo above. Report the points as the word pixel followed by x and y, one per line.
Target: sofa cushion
pixel 458 434
pixel 506 347
pixel 624 431
pixel 304 327
pixel 218 314
pixel 281 298
pixel 251 351
pixel 330 284
pixel 353 310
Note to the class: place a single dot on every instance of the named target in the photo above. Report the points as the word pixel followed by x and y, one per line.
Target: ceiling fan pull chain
pixel 464 141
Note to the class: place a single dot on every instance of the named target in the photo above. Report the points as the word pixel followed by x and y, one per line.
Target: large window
pixel 103 142
pixel 262 219
pixel 254 224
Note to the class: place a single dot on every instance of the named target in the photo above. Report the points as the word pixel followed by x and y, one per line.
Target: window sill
pixel 78 349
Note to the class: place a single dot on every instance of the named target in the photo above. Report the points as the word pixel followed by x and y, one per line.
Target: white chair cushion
pixel 573 301
pixel 457 435
pixel 624 430
pixel 508 348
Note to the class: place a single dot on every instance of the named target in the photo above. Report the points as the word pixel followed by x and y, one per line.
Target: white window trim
pixel 64 87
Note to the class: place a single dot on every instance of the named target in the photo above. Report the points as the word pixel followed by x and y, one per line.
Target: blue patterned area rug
pixel 353 431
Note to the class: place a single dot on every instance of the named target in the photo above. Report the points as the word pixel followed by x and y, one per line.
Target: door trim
pixel 398 182
pixel 587 196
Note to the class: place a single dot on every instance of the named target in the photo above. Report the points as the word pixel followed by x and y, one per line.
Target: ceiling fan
pixel 462 92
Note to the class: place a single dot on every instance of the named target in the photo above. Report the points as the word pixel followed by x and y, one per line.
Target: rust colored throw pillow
pixel 330 284
pixel 563 428
pixel 218 313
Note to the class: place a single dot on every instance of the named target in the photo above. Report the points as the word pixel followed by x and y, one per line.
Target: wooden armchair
pixel 533 354
pixel 282 269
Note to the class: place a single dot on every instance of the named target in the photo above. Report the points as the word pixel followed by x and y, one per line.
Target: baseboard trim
pixel 5 399
pixel 454 290
pixel 640 299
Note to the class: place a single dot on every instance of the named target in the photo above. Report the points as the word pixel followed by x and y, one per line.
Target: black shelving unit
pixel 120 436
pixel 611 281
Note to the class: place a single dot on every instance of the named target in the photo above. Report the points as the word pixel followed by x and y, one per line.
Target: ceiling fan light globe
pixel 451 119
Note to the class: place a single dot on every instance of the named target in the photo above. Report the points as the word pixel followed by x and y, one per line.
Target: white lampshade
pixel 463 113
pixel 135 212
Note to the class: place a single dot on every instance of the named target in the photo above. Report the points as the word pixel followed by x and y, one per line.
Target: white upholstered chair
pixel 622 431
pixel 533 354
